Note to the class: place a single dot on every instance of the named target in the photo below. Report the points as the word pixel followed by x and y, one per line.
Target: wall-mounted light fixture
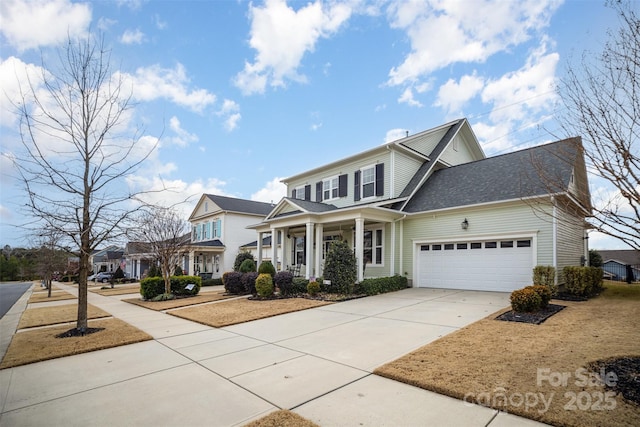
pixel 465 224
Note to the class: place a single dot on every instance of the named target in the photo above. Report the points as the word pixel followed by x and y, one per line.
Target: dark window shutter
pixel 319 191
pixel 293 193
pixel 342 185
pixel 307 192
pixel 356 186
pixel 380 179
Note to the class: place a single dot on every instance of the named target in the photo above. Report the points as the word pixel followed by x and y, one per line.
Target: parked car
pixel 102 276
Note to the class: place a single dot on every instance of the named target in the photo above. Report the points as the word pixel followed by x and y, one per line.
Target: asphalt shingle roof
pixel 535 171
pixel 626 256
pixel 241 205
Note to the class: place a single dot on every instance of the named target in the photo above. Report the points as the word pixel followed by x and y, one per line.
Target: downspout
pixel 555 238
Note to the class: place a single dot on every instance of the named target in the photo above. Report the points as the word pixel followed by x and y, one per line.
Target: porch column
pixel 360 248
pixel 309 247
pixel 259 257
pixel 285 250
pixel 274 248
pixel 392 271
pixel 319 243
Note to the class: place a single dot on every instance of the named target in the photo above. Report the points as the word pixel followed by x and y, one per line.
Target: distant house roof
pixel 216 243
pixel 622 256
pixel 266 242
pixel 531 172
pixel 231 204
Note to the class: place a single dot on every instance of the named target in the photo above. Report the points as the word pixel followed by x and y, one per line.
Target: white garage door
pixel 493 265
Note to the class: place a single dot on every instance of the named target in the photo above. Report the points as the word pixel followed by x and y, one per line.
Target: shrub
pixel 267 268
pixel 284 281
pixel 232 281
pixel 313 288
pixel 545 275
pixel 525 300
pixel 178 271
pixel 340 268
pixel 248 265
pixel 264 285
pixel 212 282
pixel 544 292
pixel 595 259
pixel 242 255
pixel 249 282
pixel 118 274
pixel 299 285
pixel 381 285
pixel 151 287
pixel 154 271
pixel 583 281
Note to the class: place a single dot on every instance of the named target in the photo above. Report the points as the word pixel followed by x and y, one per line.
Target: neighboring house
pixel 618 263
pixel 138 260
pixel 219 227
pixel 108 259
pixel 431 207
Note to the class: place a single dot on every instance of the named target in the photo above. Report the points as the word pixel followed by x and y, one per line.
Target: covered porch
pixel 207 259
pixel 305 235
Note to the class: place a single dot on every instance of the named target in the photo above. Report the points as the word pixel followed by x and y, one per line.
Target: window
pixel 299 251
pixel 476 245
pixel 327 243
pixel 330 188
pixel 217 228
pixel 436 247
pixel 448 247
pixel 298 193
pixel 461 246
pixel 507 244
pixel 368 182
pixel 490 245
pixel 206 206
pixel 193 233
pixel 205 231
pixel 524 243
pixel 424 247
pixel 372 246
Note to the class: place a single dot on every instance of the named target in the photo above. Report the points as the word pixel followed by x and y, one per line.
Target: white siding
pixel 570 240
pixel 405 168
pixel 484 222
pixel 457 152
pixel 426 143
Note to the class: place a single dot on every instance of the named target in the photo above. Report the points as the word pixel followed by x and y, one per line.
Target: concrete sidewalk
pixel 316 362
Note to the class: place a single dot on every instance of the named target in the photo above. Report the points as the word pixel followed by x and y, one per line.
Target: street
pixel 10 293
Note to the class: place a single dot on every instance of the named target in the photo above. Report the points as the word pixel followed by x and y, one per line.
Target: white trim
pixel 337 188
pixel 362 169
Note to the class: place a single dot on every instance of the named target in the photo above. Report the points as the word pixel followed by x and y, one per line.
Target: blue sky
pixel 243 94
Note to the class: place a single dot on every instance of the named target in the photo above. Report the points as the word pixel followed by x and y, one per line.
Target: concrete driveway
pixel 316 362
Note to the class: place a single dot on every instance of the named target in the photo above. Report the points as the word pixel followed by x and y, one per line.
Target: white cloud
pixel 407 98
pixel 453 95
pixel 105 23
pixel 272 192
pixel 281 36
pixel 29 24
pixel 395 134
pixel 230 111
pixel 182 138
pixel 443 32
pixel 155 82
pixel 132 37
pixel 5 214
pixel 14 75
pixel 160 24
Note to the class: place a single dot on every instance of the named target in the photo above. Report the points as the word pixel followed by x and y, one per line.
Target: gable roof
pixel 232 204
pixel 622 256
pixel 541 170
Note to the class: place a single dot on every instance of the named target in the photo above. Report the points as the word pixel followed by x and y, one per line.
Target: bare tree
pixel 51 257
pixel 163 232
pixel 78 152
pixel 603 106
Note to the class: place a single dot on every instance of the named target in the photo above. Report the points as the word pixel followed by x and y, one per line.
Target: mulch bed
pixel 75 332
pixel 535 318
pixel 627 370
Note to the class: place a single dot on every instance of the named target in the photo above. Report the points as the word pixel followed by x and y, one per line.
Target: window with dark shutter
pixel 319 191
pixel 307 192
pixel 293 193
pixel 356 186
pixel 342 185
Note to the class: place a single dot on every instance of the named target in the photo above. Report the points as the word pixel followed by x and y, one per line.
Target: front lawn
pixel 536 371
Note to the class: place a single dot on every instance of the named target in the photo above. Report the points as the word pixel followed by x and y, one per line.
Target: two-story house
pixel 218 230
pixel 432 207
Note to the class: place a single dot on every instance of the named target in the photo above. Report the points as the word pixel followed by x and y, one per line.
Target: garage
pixel 491 265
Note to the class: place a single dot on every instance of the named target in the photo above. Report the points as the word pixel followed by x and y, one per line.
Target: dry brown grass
pixel 176 303
pixel 491 358
pixel 39 288
pixel 55 296
pixel 41 344
pixel 117 290
pixel 282 418
pixel 45 316
pixel 244 310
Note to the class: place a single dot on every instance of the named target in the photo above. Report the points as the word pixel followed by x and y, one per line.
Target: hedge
pixel 381 285
pixel 154 286
pixel 525 300
pixel 212 282
pixel 232 281
pixel 583 281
